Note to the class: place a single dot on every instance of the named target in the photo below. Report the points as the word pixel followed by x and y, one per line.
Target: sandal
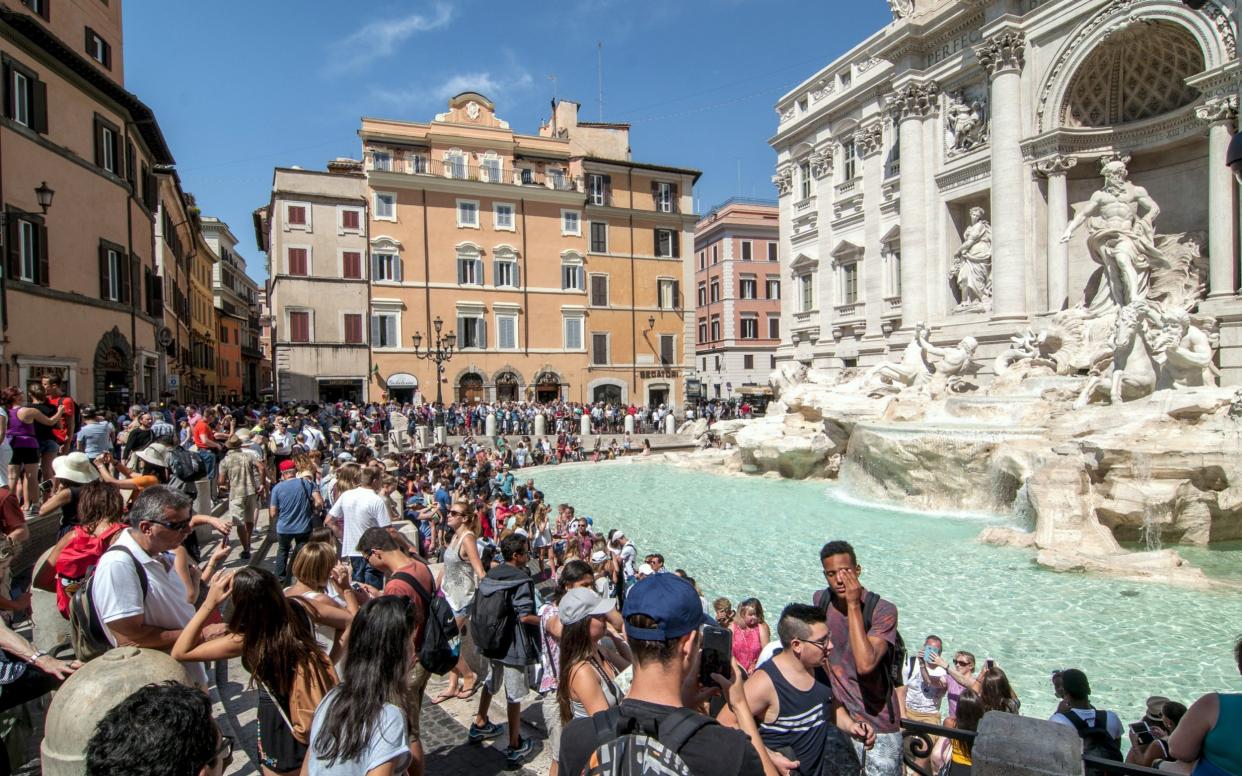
pixel 469 693
pixel 442 697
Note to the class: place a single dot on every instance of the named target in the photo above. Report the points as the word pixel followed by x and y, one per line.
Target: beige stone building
pixel 555 259
pixel 314 232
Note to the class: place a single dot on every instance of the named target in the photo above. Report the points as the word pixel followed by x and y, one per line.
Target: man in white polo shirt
pixel 353 512
pixel 159 520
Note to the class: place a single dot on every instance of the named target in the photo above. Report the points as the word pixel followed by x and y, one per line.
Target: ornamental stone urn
pixel 89 694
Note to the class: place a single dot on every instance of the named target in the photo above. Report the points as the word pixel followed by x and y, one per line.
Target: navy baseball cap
pixel 669 600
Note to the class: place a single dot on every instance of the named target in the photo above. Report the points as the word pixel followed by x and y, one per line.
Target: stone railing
pixel 847 186
pixel 848 312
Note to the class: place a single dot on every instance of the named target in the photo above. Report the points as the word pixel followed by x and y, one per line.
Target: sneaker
pixel 477 733
pixel 245 554
pixel 515 756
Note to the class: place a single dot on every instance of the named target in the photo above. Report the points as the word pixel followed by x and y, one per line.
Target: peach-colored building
pixel 552 291
pixel 737 288
pixel 81 289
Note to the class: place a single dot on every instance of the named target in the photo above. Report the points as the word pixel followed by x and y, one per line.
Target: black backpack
pixel 185 465
pixel 439 630
pixel 492 623
pixel 1096 740
pixel 85 628
pixel 627 746
pixel 895 659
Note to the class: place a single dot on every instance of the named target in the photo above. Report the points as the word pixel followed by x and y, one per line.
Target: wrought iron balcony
pixel 531 176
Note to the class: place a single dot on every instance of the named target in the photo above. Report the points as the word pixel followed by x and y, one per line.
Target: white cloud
pixel 379 39
pixel 433 97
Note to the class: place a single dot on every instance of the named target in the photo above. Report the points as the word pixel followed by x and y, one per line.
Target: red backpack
pixel 77 561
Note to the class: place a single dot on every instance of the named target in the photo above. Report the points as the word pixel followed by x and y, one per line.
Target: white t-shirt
pixel 282 442
pixel 313 437
pixel 358 510
pixel 768 652
pixel 922 696
pixel 117 593
pixel 1113 722
pixel 388 742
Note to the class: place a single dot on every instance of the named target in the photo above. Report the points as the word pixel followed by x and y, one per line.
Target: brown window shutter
pixel 90 39
pixel 38 113
pixel 13 254
pixel 107 55
pixel 608 190
pixel 9 108
pixel 675 239
pixel 672 187
pixel 157 296
pixel 677 294
pixel 125 278
pixel 129 166
pixel 655 242
pixel 655 195
pixel 99 152
pixel 41 268
pixel 103 271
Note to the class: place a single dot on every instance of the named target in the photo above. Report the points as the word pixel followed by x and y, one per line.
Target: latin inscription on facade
pixel 953 46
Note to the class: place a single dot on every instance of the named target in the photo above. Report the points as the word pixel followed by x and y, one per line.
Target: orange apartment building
pixel 554 259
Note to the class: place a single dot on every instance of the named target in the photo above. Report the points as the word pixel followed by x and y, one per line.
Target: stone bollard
pixel 1010 745
pixel 629 424
pixel 489 426
pixel 584 426
pixel 89 694
pixel 422 437
pixel 670 424
pixel 51 629
pixel 202 501
pixel 441 435
pixel 541 424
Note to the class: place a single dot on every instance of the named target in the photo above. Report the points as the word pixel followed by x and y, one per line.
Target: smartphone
pixel 928 654
pixel 1142 733
pixel 715 655
pixel 990 663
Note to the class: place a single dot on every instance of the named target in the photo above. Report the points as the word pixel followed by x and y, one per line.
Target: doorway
pixel 506 387
pixel 470 388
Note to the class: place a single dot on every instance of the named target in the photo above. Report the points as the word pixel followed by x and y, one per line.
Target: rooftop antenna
pixel 552 78
pixel 599 72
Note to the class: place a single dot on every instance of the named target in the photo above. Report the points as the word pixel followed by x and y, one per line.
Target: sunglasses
pixel 821 643
pixel 962 663
pixel 180 525
pixel 457 512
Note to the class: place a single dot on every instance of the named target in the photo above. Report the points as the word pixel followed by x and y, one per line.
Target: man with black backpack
pixel 505 628
pixel 1100 730
pixel 663 617
pixel 865 664
pixel 410 577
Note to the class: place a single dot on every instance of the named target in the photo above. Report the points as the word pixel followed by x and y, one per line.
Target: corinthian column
pixel 1219 114
pixel 1002 56
pixel 1055 170
pixel 910 104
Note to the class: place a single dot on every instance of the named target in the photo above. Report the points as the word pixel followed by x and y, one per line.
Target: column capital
pixel 783 179
pixel 1001 52
pixel 1055 165
pixel 869 139
pixel 913 101
pixel 821 161
pixel 1218 109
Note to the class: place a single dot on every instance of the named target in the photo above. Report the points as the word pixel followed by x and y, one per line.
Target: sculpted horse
pixel 1133 373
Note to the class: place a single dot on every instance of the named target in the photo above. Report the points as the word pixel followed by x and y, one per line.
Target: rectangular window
pixel 381 161
pixel 41 7
pixel 806 293
pixel 702 331
pixel 295 215
pixel 418 164
pixel 27 239
pixel 386 267
pixel 746 250
pixel 804 174
pixel 702 259
pixel 384 330
pixel 385 207
pixel 851 156
pixel 571 222
pixel 353 328
pixel 668 292
pixel 98 49
pixel 20 98
pixel 106 145
pixel 715 327
pixel 748 361
pixel 351 265
pixel 297 261
pixel 665 242
pixel 599 290
pixel 528 176
pixel 772 252
pixel 599 188
pixel 469 271
pixel 114 265
pixel 599 349
pixel 849 284
pixel 774 288
pixel 715 297
pixel 702 295
pixel 490 168
pixel 664 197
pixel 455 166
pixel 571 277
pixel 599 237
pixel 299 325
pixel 506 332
pixel 750 328
pixel 667 343
pixel 773 362
pixel 774 327
pixel 749 287
pixel 471 332
pixel 467 213
pixel 502 217
pixel 351 220
pixel 715 254
pixel 573 332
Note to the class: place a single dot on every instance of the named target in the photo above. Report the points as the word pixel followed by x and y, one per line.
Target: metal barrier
pixel 1097 765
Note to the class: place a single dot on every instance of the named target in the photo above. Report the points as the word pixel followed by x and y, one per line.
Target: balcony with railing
pixel 455 169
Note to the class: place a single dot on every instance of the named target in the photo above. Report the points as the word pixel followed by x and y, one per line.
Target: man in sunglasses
pixel 136 591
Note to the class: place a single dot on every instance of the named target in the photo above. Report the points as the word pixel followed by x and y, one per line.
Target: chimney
pixel 343 165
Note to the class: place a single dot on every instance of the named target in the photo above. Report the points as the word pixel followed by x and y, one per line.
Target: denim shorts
pixel 49 446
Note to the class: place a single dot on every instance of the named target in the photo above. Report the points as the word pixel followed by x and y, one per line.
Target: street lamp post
pixel 439 353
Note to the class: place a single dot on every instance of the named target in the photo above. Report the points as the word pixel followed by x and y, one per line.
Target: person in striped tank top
pixel 800 722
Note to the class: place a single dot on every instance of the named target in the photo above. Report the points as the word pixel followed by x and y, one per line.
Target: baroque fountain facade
pixel 1011 241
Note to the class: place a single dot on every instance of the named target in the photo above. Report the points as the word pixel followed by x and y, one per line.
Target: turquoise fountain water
pixel 742 536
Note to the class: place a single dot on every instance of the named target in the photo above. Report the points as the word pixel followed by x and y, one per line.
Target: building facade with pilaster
pixel 930 174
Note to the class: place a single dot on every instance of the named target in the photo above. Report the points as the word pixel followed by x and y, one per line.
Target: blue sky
pixel 242 87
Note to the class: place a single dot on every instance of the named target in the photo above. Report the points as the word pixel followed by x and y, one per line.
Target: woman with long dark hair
pixel 995 691
pixel 272 635
pixel 586 684
pixel 573 574
pixel 955 753
pixel 360 726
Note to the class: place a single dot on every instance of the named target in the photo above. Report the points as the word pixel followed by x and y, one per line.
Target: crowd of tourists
pixel 393 565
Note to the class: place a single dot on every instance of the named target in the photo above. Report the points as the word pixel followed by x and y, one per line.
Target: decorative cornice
pixel 914 101
pixel 869 140
pixel 1218 109
pixel 821 161
pixel 1097 141
pixel 783 180
pixel 1001 52
pixel 1055 165
pixel 967 173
